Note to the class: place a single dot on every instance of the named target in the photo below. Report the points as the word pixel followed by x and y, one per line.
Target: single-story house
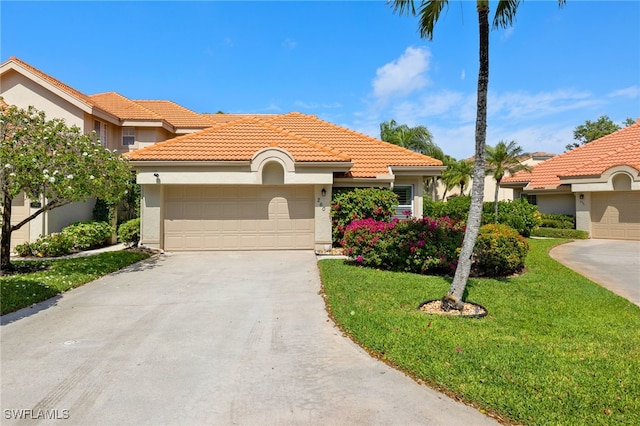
pixel 265 182
pixel 598 183
pixel 218 181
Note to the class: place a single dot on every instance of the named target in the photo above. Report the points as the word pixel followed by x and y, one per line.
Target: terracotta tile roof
pixel 236 141
pixel 60 85
pixel 123 108
pixel 176 115
pixel 305 137
pixel 618 148
pixel 225 118
pixel 371 157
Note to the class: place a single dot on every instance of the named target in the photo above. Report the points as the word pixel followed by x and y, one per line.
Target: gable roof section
pixel 592 159
pixel 371 157
pixel 237 140
pixel 225 118
pixel 176 115
pixel 123 108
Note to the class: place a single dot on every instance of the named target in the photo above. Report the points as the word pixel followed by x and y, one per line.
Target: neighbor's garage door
pixel 615 215
pixel 238 218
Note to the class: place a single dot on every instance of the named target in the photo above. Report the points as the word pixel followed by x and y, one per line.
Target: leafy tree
pixel 417 138
pixel 592 130
pixel 503 159
pixel 429 12
pixel 458 173
pixel 52 163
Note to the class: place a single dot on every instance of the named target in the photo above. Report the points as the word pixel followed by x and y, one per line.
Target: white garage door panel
pixel 239 218
pixel 616 215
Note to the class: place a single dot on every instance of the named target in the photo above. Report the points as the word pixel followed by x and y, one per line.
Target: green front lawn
pixel 554 349
pixel 21 290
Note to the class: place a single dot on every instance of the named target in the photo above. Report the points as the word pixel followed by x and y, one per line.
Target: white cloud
pixel 403 75
pixel 289 44
pixel 631 92
pixel 463 75
pixel 523 105
pixel 315 105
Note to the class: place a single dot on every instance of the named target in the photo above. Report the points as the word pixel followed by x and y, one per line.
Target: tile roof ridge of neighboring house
pixel 122 97
pixel 59 84
pixel 362 135
pixel 176 105
pixel 307 141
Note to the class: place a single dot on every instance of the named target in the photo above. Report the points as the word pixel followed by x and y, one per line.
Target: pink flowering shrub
pixel 410 245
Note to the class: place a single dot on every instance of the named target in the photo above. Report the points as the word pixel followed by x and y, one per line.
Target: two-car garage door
pixel 615 215
pixel 238 218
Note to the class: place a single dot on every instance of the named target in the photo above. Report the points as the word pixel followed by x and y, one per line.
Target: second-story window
pixel 101 131
pixel 128 136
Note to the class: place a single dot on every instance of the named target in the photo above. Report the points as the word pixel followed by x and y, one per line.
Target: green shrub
pixel 561 233
pixel 456 208
pixel 358 204
pixel 518 214
pixel 88 235
pixel 410 245
pixel 129 232
pixel 559 221
pixel 499 251
pixel 52 245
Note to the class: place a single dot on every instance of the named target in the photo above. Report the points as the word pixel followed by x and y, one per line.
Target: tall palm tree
pixel 501 160
pixel 429 11
pixel 418 139
pixel 458 173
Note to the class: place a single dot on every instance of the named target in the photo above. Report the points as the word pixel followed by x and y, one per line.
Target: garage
pixel 255 217
pixel 615 215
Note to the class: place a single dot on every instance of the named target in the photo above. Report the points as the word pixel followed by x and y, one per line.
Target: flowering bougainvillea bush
pixel 360 203
pixel 499 250
pixel 410 245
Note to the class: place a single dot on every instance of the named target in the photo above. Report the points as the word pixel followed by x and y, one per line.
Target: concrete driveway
pixel 204 338
pixel 614 264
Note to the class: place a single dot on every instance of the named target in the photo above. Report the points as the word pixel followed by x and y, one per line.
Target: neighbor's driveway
pixel 614 264
pixel 205 338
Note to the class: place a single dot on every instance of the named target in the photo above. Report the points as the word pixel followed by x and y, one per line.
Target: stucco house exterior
pixel 219 181
pixel 598 183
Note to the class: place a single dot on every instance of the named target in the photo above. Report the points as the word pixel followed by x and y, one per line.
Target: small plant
pixel 360 203
pixel 499 251
pixel 559 221
pixel 129 232
pixel 89 235
pixel 52 245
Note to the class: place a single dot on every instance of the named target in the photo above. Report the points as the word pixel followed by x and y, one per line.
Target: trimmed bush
pixel 129 232
pixel 559 221
pixel 499 251
pixel 52 245
pixel 358 204
pixel 561 233
pixel 410 245
pixel 89 235
pixel 518 214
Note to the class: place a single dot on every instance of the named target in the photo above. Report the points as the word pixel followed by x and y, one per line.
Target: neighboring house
pixel 265 182
pixel 219 181
pixel 504 193
pixel 598 183
pixel 120 124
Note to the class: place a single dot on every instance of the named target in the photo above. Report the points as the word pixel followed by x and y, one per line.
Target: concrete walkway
pixel 217 338
pixel 614 264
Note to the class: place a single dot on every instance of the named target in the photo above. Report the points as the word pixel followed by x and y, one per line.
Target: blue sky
pixel 354 63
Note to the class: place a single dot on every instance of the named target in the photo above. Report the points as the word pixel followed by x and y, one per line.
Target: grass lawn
pixel 554 349
pixel 22 290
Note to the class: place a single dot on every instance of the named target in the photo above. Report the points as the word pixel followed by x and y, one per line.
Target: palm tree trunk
pixel 495 200
pixel 453 299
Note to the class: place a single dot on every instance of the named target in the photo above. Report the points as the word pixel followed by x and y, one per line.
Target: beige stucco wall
pixel 583 211
pixel 151 216
pixel 23 92
pixel 556 203
pixel 323 228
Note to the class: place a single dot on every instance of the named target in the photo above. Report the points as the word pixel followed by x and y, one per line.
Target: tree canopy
pixel 53 164
pixel 503 159
pixel 592 130
pixel 417 138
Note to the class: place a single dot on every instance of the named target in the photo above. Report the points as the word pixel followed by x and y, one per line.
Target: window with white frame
pixel 101 131
pixel 405 200
pixel 128 136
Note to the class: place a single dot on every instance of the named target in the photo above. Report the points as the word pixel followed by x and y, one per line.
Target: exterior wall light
pixel 323 192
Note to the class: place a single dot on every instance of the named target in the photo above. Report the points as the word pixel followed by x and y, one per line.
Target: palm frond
pixel 505 13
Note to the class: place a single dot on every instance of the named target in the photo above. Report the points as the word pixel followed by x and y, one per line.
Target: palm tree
pixel 501 160
pixel 458 173
pixel 429 12
pixel 418 139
